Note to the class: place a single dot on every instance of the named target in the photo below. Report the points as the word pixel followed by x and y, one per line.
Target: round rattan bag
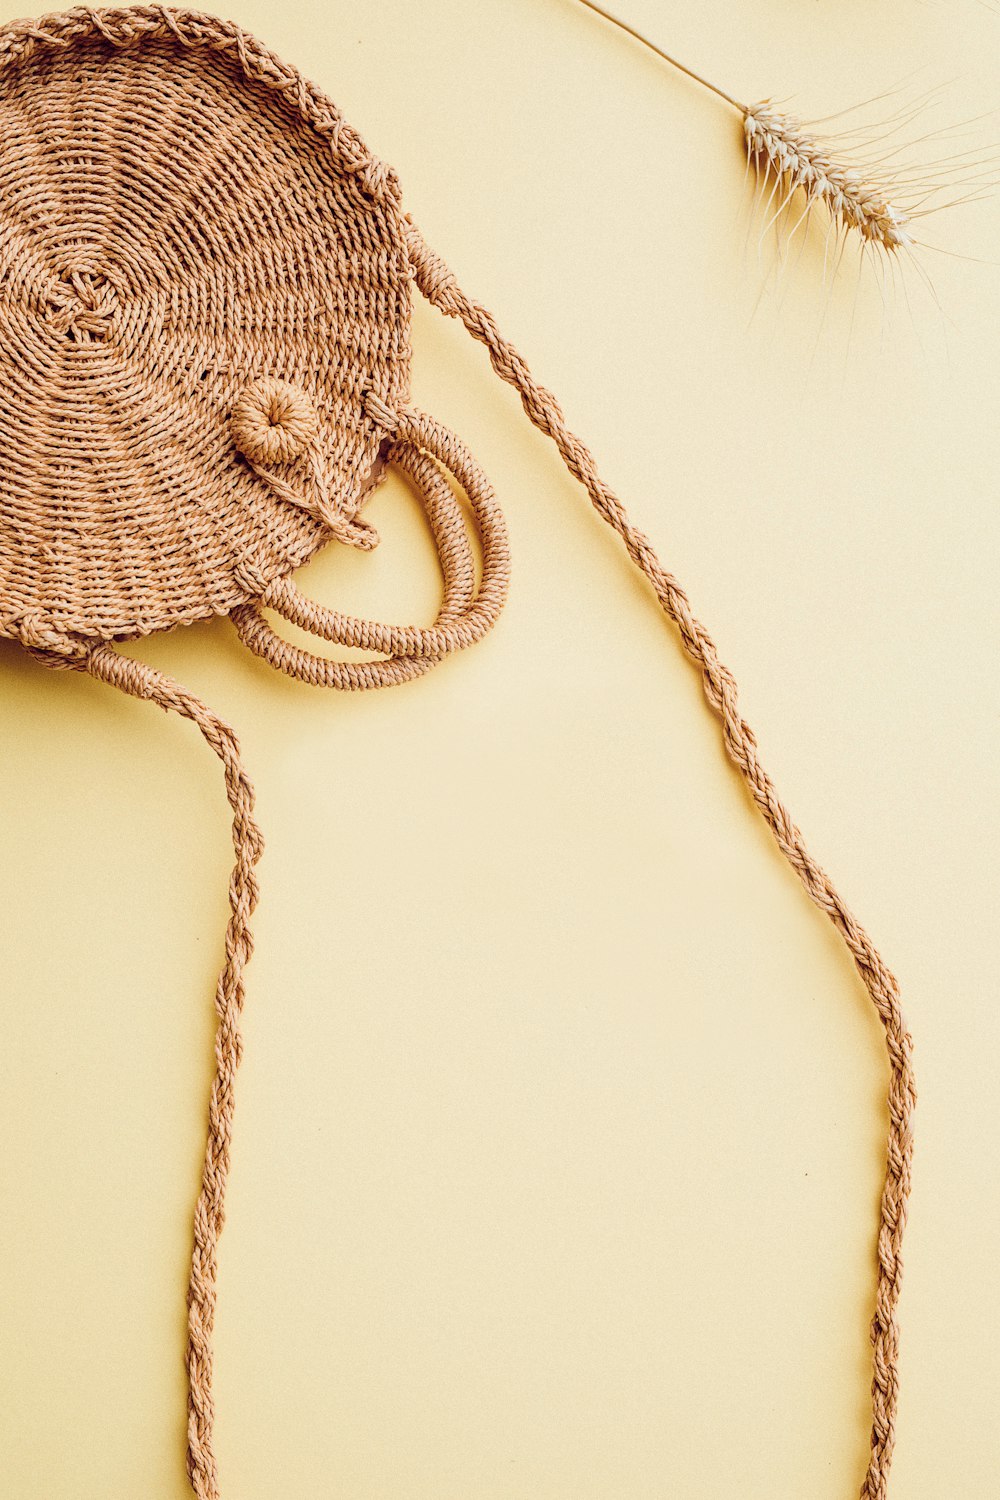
pixel 206 283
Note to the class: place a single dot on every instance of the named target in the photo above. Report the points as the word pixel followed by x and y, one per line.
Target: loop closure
pixel 275 425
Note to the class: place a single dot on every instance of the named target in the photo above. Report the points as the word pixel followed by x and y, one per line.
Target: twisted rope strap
pixel 141 681
pixel 422 449
pixel 439 286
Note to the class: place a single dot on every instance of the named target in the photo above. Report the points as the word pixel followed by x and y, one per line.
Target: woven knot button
pixel 273 421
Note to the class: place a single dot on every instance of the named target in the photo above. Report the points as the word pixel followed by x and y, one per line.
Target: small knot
pixel 80 305
pixel 49 647
pixel 352 531
pixel 38 636
pixel 273 421
pixel 375 178
pixel 55 661
pixel 381 414
pixel 250 576
pixel 434 277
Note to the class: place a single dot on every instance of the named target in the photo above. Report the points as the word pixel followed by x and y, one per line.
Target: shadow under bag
pixel 206 285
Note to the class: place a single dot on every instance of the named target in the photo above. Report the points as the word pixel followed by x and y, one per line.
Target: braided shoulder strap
pixel 141 681
pixel 427 453
pixel 439 286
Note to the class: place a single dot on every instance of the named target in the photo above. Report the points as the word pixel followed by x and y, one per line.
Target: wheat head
pixel 782 146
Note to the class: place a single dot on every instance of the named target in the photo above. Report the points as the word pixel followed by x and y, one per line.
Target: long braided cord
pixel 141 681
pixel 439 286
pixel 464 616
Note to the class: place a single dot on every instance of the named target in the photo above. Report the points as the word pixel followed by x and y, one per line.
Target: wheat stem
pixel 632 32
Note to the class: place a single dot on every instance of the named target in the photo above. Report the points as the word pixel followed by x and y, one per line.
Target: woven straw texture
pixel 205 285
pixel 182 219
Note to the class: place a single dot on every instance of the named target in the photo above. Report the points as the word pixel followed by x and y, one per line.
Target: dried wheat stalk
pixel 862 192
pixel 780 145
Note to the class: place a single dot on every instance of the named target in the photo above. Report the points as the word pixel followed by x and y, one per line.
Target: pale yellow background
pixel 559 1130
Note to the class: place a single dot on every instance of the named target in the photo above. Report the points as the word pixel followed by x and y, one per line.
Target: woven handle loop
pixel 423 449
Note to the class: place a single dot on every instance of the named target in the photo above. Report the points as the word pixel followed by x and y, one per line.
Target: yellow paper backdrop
pixel 559 1130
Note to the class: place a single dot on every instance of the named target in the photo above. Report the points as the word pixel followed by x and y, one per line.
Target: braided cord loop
pixel 439 286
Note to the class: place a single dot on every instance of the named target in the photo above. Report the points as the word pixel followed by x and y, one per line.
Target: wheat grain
pixel 781 146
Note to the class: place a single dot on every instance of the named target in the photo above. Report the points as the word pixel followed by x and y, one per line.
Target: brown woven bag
pixel 205 299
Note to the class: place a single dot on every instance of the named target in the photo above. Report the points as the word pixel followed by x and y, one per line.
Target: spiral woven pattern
pixel 273 422
pixel 188 228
